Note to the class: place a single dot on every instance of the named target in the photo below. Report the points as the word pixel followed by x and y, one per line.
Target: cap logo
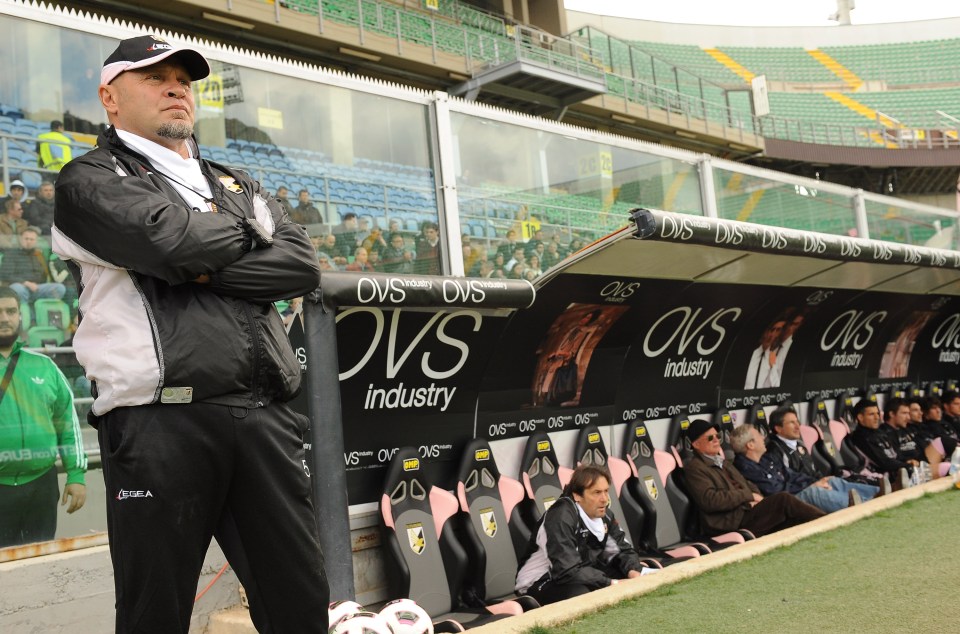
pixel 160 47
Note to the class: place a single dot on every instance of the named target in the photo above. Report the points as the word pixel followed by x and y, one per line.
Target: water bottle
pixel 955 462
pixel 955 467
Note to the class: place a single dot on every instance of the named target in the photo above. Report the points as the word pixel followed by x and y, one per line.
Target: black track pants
pixel 175 476
pixel 28 512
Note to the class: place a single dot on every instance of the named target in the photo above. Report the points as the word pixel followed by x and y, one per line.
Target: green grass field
pixel 896 571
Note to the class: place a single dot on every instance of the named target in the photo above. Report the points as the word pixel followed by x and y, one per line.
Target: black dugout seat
pixel 424 560
pixel 542 476
pixel 723 418
pixel 493 534
pixel 757 417
pixel 652 486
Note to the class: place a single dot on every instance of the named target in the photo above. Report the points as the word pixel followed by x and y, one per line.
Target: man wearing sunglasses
pixel 725 499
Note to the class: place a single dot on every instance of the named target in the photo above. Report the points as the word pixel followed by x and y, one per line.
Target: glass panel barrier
pixel 356 166
pixel 520 187
pixel 891 222
pixel 764 201
pixel 353 167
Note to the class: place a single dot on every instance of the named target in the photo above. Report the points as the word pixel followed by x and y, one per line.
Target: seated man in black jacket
pixel 785 445
pixel 935 427
pixel 771 475
pixel 912 442
pixel 951 409
pixel 579 546
pixel 875 445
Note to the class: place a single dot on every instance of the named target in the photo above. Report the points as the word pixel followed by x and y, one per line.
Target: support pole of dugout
pixel 380 290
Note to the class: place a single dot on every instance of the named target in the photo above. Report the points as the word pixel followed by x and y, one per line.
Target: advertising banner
pixel 409 378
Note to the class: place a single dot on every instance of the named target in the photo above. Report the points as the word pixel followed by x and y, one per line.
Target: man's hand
pixel 823 483
pixel 77 494
pixel 31 285
pixel 633 574
pixel 757 498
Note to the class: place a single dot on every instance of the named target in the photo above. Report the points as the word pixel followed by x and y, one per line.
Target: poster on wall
pixel 683 339
pixel 927 346
pixel 559 362
pixel 408 378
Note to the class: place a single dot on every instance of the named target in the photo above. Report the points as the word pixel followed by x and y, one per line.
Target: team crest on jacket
pixel 415 536
pixel 651 485
pixel 489 522
pixel 231 185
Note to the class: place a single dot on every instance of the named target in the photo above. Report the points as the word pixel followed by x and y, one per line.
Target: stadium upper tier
pixel 870 87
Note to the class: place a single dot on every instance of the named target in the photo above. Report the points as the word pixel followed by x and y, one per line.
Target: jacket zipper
pixel 255 337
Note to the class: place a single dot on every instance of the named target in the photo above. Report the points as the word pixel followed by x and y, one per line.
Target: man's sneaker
pixel 854 498
pixel 885 487
pixel 903 479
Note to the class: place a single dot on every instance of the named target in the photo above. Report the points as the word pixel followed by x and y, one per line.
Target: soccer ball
pixel 406 617
pixel 361 623
pixel 339 609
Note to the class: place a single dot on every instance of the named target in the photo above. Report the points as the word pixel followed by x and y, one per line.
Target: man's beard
pixel 175 130
pixel 8 340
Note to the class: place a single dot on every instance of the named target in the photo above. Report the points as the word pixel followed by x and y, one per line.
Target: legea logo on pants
pixel 124 494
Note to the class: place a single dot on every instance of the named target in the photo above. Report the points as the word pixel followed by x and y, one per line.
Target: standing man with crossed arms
pixel 178 261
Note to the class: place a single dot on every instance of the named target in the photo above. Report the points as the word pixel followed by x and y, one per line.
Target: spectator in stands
pixel 934 426
pixel 12 223
pixel 333 248
pixel 347 232
pixel 518 257
pixel 326 262
pixel 499 265
pixel 771 475
pixel 305 213
pixel 38 211
pixel 394 226
pixel 38 423
pixel 373 242
pixel 18 192
pixel 292 311
pixel 725 500
pixel 428 250
pixel 534 243
pixel 534 265
pixel 54 148
pixel 578 546
pixel 951 409
pixel 509 246
pixel 486 269
pixel 912 442
pixel 282 194
pixel 361 262
pixel 875 446
pixel 551 255
pixel 762 370
pixel 395 258
pixel 25 270
pixel 517 272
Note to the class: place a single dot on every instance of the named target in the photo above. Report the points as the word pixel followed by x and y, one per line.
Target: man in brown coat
pixel 725 499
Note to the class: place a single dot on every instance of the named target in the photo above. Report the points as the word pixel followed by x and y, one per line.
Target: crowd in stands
pixel 360 244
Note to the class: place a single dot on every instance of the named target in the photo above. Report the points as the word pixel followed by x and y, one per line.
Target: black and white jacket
pixel 149 329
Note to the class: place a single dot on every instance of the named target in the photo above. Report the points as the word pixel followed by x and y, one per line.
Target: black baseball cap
pixel 144 50
pixel 699 427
